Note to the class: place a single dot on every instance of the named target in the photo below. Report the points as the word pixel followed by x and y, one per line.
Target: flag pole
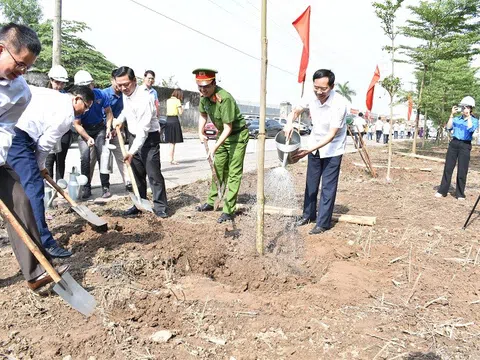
pixel 261 135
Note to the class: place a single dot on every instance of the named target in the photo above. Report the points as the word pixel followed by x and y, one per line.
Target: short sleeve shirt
pixel 96 113
pixel 331 114
pixel 460 129
pixel 172 106
pixel 116 101
pixel 223 111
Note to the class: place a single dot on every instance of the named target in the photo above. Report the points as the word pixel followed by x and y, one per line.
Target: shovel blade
pixel 78 298
pixel 88 215
pixel 141 204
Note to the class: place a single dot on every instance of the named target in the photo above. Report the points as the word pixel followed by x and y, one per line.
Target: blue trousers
pixel 328 170
pixel 21 157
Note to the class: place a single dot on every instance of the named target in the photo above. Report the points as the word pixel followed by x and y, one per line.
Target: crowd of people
pixel 34 121
pixel 379 129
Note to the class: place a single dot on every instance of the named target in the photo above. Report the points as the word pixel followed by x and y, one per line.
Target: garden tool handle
pixel 59 190
pixel 129 167
pixel 212 167
pixel 8 217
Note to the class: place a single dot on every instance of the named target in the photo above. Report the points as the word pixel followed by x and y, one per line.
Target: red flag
pixel 410 107
pixel 302 25
pixel 371 88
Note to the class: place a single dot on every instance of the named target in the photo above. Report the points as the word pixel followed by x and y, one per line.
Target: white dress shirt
pixel 141 114
pixel 330 114
pixel 359 123
pixel 386 128
pixel 14 98
pixel 47 118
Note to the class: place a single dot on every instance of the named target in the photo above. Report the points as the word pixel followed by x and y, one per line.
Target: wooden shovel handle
pixel 59 190
pixel 212 167
pixel 8 217
pixel 129 167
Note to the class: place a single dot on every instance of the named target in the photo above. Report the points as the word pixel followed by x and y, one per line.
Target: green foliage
pixel 392 84
pixel 386 13
pixel 26 12
pixel 450 81
pixel 77 54
pixel 170 82
pixel 345 91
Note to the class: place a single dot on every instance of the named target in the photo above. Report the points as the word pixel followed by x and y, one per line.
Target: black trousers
pixel 13 196
pixel 458 150
pixel 146 162
pixel 328 170
pixel 98 133
pixel 379 135
pixel 59 158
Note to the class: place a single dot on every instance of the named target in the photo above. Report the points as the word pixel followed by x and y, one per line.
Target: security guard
pixel 231 144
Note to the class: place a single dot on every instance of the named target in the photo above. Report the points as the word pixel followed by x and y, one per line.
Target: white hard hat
pixel 82 77
pixel 58 72
pixel 467 101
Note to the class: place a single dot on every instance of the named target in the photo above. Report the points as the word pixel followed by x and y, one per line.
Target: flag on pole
pixel 371 88
pixel 302 25
pixel 410 107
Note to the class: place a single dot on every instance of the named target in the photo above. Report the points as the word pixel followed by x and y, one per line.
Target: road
pixel 192 167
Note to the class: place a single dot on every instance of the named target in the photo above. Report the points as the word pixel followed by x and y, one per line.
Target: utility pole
pixel 57 33
pixel 261 135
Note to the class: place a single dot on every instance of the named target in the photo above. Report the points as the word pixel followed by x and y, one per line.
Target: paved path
pixel 192 167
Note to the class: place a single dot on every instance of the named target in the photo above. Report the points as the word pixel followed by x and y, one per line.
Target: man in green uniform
pixel 231 144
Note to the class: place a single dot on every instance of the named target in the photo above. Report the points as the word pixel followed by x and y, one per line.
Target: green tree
pixel 445 29
pixel 77 54
pixel 27 12
pixel 345 91
pixel 386 12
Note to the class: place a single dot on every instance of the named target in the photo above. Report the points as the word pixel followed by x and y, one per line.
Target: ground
pixel 406 288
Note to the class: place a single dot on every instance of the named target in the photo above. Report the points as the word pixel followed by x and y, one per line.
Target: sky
pixel 345 36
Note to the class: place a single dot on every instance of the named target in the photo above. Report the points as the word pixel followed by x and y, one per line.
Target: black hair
pixel 360 114
pixel 84 91
pixel 325 73
pixel 113 73
pixel 20 37
pixel 151 72
pixel 125 70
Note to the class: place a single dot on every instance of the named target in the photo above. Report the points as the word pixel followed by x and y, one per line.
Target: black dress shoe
pixel 56 251
pixel 45 278
pixel 317 230
pixel 132 211
pixel 224 217
pixel 204 207
pixel 129 187
pixel 87 193
pixel 161 214
pixel 303 221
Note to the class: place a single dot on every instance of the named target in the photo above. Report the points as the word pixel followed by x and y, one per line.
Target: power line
pixel 209 37
pixel 250 25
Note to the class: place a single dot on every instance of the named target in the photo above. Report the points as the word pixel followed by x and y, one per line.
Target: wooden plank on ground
pixel 420 156
pixel 354 219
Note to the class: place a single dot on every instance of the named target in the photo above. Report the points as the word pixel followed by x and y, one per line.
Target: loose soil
pixel 406 288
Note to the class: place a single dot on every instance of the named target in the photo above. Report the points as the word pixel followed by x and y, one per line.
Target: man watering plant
pixel 229 150
pixel 326 146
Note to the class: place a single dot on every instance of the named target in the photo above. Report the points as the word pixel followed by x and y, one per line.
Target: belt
pixel 238 131
pixel 464 141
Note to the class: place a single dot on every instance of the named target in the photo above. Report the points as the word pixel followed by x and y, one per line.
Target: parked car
pixel 210 131
pixel 272 127
pixel 301 128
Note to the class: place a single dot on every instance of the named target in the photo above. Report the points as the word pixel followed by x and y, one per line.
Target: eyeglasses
pixel 85 103
pixel 19 65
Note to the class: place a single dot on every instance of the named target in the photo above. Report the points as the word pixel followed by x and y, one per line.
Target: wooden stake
pixel 261 134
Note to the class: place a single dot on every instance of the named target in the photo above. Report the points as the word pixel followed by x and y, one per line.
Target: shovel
pixel 221 191
pixel 141 204
pixel 65 286
pixel 81 210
